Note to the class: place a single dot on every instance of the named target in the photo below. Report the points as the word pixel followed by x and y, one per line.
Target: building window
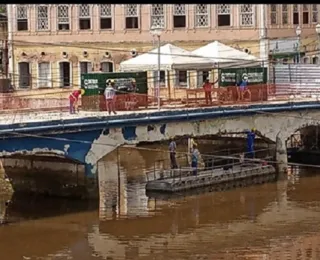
pixel 44 77
pixel 162 78
pixel 224 15
pixel 85 67
pixel 132 16
pixel 106 66
pixel 42 18
pixel 274 14
pixel 157 15
pixel 305 14
pixel 284 12
pixel 314 13
pixel 105 17
pixel 202 76
pixel 182 78
pixel 22 18
pixel 24 75
pixel 295 14
pixel 84 17
pixel 65 74
pixel 315 60
pixel 306 60
pixel 246 15
pixel 63 18
pixel 179 16
pixel 202 15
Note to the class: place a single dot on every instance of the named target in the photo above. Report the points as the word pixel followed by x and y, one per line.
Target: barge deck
pixel 236 176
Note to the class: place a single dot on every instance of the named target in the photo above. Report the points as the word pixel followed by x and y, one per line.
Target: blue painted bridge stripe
pixel 154 118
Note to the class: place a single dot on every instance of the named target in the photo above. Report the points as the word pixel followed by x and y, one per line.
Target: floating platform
pixel 236 176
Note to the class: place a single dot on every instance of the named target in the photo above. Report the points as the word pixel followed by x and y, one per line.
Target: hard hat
pixel 253 129
pixel 82 91
pixel 111 80
pixel 133 80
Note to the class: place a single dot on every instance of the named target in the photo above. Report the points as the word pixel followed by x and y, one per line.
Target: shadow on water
pixel 22 207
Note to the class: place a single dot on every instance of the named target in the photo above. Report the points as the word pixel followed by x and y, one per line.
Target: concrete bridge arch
pixel 90 139
pixel 276 127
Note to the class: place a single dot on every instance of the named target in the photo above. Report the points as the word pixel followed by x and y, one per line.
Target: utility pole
pixel 263 36
pixel 10 44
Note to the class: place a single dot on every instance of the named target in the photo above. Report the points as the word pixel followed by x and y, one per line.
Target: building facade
pixel 51 45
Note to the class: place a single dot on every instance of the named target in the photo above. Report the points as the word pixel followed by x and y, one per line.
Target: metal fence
pixel 296 79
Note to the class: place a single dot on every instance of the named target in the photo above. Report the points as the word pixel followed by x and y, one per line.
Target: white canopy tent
pixel 225 55
pixel 171 58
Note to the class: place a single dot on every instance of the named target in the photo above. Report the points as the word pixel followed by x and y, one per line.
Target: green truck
pixel 94 85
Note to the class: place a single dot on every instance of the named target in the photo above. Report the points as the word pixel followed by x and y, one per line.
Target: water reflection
pixel 271 221
pixel 175 225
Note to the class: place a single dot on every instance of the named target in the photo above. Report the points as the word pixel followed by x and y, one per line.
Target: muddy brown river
pixel 273 221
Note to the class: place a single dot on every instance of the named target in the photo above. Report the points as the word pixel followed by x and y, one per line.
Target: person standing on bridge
pixel 207 86
pixel 110 96
pixel 172 150
pixel 74 98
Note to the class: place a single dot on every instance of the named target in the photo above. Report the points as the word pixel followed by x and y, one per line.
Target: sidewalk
pixel 20 118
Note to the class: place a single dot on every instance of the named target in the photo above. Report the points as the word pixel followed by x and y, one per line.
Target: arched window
pixel 24 75
pixel 106 66
pixel 65 74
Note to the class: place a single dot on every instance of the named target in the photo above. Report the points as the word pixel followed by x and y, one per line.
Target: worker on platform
pixel 207 86
pixel 195 154
pixel 110 96
pixel 172 151
pixel 251 135
pixel 74 99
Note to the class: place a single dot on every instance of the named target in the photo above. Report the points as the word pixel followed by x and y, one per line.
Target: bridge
pixel 35 141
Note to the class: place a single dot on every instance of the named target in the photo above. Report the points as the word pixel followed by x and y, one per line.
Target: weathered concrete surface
pixel 49 177
pixel 281 155
pixel 87 139
pixel 270 126
pixel 42 116
pixel 132 128
pixel 5 185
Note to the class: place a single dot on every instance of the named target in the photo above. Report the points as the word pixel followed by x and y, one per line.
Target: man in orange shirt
pixel 74 98
pixel 207 86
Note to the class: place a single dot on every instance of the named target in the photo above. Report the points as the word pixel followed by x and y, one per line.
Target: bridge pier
pixel 281 155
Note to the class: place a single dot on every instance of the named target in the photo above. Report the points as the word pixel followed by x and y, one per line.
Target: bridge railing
pixel 35 101
pixel 220 161
pixel 57 100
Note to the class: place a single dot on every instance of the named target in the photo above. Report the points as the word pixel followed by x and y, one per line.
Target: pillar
pixel 5 184
pixel 281 155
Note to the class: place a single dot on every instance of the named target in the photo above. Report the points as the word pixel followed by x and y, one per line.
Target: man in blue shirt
pixel 243 87
pixel 194 159
pixel 251 135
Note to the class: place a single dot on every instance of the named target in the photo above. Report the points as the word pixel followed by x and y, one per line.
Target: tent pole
pixel 159 66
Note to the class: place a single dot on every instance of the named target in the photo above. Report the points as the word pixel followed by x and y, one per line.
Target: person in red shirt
pixel 207 86
pixel 74 98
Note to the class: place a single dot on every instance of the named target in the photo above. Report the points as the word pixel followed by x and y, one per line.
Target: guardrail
pixel 223 96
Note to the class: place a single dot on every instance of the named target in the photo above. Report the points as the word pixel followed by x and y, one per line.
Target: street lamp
pixel 157 31
pixel 318 33
pixel 298 33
